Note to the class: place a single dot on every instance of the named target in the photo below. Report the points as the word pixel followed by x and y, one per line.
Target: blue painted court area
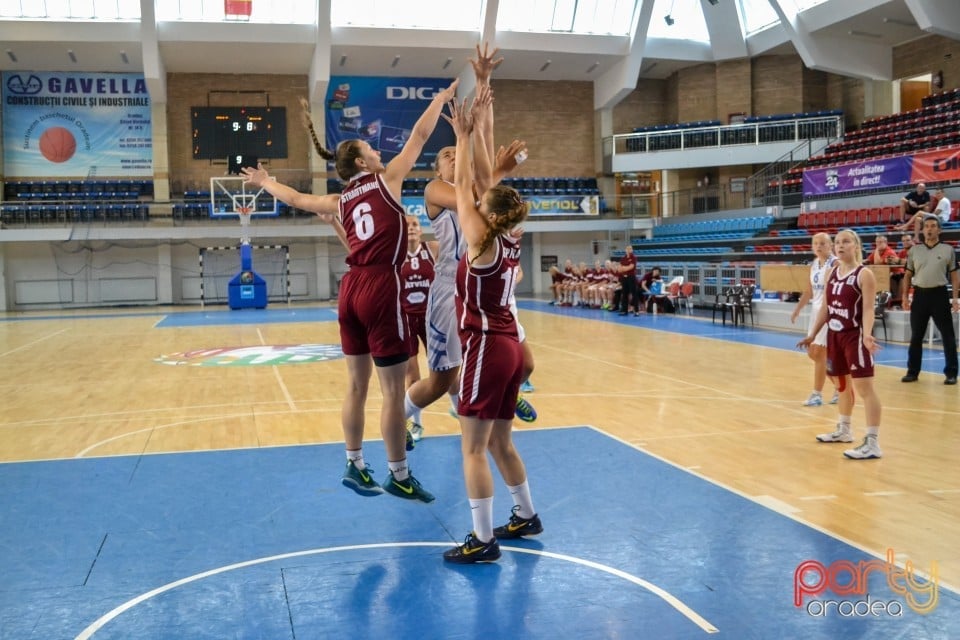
pixel 266 543
pixel 891 354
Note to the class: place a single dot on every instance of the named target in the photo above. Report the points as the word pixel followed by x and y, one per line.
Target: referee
pixel 928 265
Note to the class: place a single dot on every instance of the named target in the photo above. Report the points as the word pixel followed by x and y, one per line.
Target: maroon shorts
pixel 417 325
pixel 369 313
pixel 490 376
pixel 846 355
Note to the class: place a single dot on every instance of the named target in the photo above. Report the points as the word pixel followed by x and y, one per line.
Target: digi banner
pixel 927 166
pixel 382 111
pixel 539 206
pixel 75 125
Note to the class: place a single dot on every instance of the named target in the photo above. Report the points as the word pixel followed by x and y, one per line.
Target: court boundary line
pixel 753 499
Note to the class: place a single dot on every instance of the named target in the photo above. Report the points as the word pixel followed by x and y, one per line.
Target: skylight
pixel 686 21
pixel 271 11
pixel 598 17
pixel 71 9
pixel 756 15
pixel 463 15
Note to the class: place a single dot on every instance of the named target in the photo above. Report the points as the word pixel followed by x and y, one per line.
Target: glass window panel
pixel 588 16
pixel 806 4
pixel 128 9
pixel 428 14
pixel 756 15
pixel 32 9
pixel 81 9
pixel 688 21
pixel 53 8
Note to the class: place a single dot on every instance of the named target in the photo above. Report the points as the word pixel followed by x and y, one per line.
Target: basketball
pixel 57 144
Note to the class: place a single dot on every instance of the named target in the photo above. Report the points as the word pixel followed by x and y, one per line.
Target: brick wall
pixel 185 90
pixel 847 94
pixel 928 55
pixel 733 89
pixel 644 106
pixel 555 119
pixel 776 84
pixel 697 87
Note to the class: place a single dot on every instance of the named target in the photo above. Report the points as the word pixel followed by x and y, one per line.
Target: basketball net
pixel 245 213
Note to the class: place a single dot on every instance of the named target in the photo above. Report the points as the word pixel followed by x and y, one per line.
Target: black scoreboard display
pixel 220 132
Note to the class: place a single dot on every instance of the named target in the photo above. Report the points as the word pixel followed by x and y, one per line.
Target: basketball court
pixel 176 473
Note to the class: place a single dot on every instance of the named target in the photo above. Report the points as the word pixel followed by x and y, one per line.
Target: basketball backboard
pixel 229 195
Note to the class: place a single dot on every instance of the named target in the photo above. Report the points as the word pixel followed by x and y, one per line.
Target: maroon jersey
pixel 374 222
pixel 484 292
pixel 416 274
pixel 629 264
pixel 844 297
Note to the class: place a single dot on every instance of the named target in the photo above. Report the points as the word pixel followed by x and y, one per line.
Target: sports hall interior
pixel 688 129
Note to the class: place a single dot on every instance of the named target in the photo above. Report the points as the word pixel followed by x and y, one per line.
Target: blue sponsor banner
pixel 856 176
pixel 382 111
pixel 539 206
pixel 61 124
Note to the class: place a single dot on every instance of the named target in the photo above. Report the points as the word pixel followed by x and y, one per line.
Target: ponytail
pixel 308 123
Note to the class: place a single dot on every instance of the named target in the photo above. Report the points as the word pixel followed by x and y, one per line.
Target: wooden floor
pixel 87 384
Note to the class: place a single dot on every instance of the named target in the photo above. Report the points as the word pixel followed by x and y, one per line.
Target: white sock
pixel 410 410
pixel 356 457
pixel 845 421
pixel 873 431
pixel 522 499
pixel 399 469
pixel 481 510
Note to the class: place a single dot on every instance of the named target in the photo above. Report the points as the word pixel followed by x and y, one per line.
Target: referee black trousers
pixel 628 293
pixel 931 303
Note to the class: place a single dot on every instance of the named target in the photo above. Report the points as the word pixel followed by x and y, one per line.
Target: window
pixel 71 9
pixel 756 15
pixel 687 17
pixel 463 15
pixel 264 11
pixel 614 17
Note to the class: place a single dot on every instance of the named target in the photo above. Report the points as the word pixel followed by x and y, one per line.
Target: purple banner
pixel 855 176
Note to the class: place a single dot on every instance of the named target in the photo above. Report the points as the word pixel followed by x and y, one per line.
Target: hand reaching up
pixel 460 118
pixel 484 65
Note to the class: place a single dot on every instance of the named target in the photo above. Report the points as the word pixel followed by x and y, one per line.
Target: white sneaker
pixel 415 429
pixel 836 397
pixel 869 449
pixel 815 400
pixel 842 434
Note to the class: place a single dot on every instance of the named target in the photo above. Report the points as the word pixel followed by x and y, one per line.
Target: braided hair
pixel 347 152
pixel 510 210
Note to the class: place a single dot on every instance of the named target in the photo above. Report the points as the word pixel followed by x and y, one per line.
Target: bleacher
pixel 76 201
pixel 535 186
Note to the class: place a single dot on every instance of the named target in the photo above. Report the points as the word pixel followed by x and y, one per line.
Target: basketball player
pixel 493 358
pixel 823 261
pixel 443 343
pixel 373 331
pixel 848 314
pixel 416 274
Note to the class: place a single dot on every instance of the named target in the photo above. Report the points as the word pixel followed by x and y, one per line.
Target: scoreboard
pixel 219 132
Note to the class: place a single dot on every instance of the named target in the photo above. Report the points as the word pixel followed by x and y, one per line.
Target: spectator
pixel 928 266
pixel 941 209
pixel 651 286
pixel 884 254
pixel 628 282
pixel 916 201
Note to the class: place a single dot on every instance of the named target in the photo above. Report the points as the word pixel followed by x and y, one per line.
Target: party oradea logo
pixel 863 589
pixel 254 356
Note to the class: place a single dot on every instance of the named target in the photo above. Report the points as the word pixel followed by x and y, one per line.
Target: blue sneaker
pixel 409 489
pixel 525 410
pixel 361 481
pixel 526 387
pixel 815 400
pixel 473 550
pixel 836 398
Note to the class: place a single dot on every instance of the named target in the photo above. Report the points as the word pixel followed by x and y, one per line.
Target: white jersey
pixel 446 228
pixel 818 285
pixel 818 280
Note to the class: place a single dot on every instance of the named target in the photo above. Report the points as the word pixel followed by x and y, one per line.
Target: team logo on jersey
pixel 253 356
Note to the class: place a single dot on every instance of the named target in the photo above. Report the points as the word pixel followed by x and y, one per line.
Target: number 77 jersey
pixel 374 222
pixel 484 292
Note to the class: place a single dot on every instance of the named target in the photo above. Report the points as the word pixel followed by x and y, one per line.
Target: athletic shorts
pixel 821 338
pixel 490 377
pixel 368 309
pixel 846 355
pixel 417 326
pixel 443 341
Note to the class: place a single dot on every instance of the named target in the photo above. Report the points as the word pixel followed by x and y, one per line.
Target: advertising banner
pixel 938 165
pixel 76 125
pixel 382 111
pixel 539 206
